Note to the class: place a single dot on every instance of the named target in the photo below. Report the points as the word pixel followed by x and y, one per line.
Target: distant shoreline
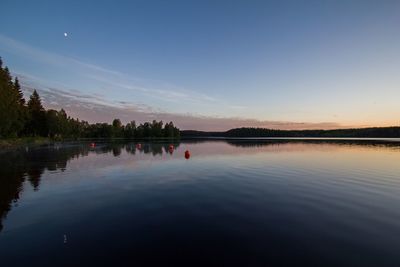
pixel 247 132
pixel 394 139
pixel 250 134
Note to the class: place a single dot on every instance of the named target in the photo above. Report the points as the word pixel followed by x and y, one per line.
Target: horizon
pixel 210 66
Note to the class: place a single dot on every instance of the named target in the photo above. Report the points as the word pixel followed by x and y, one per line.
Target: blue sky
pixel 210 64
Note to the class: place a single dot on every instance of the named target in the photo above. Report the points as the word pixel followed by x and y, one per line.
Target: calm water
pixel 235 203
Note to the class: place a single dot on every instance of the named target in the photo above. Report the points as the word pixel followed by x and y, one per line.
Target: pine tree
pixel 17 87
pixel 9 106
pixel 35 103
pixel 22 110
pixel 37 116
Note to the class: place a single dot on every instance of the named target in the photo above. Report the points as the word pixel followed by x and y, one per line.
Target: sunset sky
pixel 210 65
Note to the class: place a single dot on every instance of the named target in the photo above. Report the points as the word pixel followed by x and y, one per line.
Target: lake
pixel 232 203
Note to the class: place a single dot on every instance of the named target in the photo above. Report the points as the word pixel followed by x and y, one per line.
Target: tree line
pixel 351 133
pixel 19 118
pixel 376 132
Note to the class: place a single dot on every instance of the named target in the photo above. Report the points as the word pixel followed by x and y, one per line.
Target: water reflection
pixel 26 166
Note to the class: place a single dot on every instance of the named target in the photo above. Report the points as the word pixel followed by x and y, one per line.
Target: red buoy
pixel 171 149
pixel 187 154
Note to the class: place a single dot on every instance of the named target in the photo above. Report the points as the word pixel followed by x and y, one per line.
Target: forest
pixel 374 132
pixel 21 118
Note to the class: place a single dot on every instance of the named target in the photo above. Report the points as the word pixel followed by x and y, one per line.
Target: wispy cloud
pixel 99 107
pixel 104 75
pixel 14 46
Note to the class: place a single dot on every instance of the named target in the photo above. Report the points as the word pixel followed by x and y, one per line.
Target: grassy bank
pixel 13 143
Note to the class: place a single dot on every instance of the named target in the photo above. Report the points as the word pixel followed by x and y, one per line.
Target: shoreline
pixel 15 143
pixel 18 143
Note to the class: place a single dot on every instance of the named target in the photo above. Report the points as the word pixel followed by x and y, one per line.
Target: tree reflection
pixel 153 148
pixel 16 167
pixel 25 167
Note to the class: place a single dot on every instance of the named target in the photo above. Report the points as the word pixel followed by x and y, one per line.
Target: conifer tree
pixel 17 87
pixel 37 116
pixel 8 105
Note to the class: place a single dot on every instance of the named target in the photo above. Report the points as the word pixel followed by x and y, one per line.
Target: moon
pixel 65 34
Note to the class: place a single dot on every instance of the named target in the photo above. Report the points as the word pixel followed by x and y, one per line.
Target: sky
pixel 210 65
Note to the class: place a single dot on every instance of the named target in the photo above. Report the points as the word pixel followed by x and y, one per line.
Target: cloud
pixel 14 46
pixel 108 77
pixel 96 109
